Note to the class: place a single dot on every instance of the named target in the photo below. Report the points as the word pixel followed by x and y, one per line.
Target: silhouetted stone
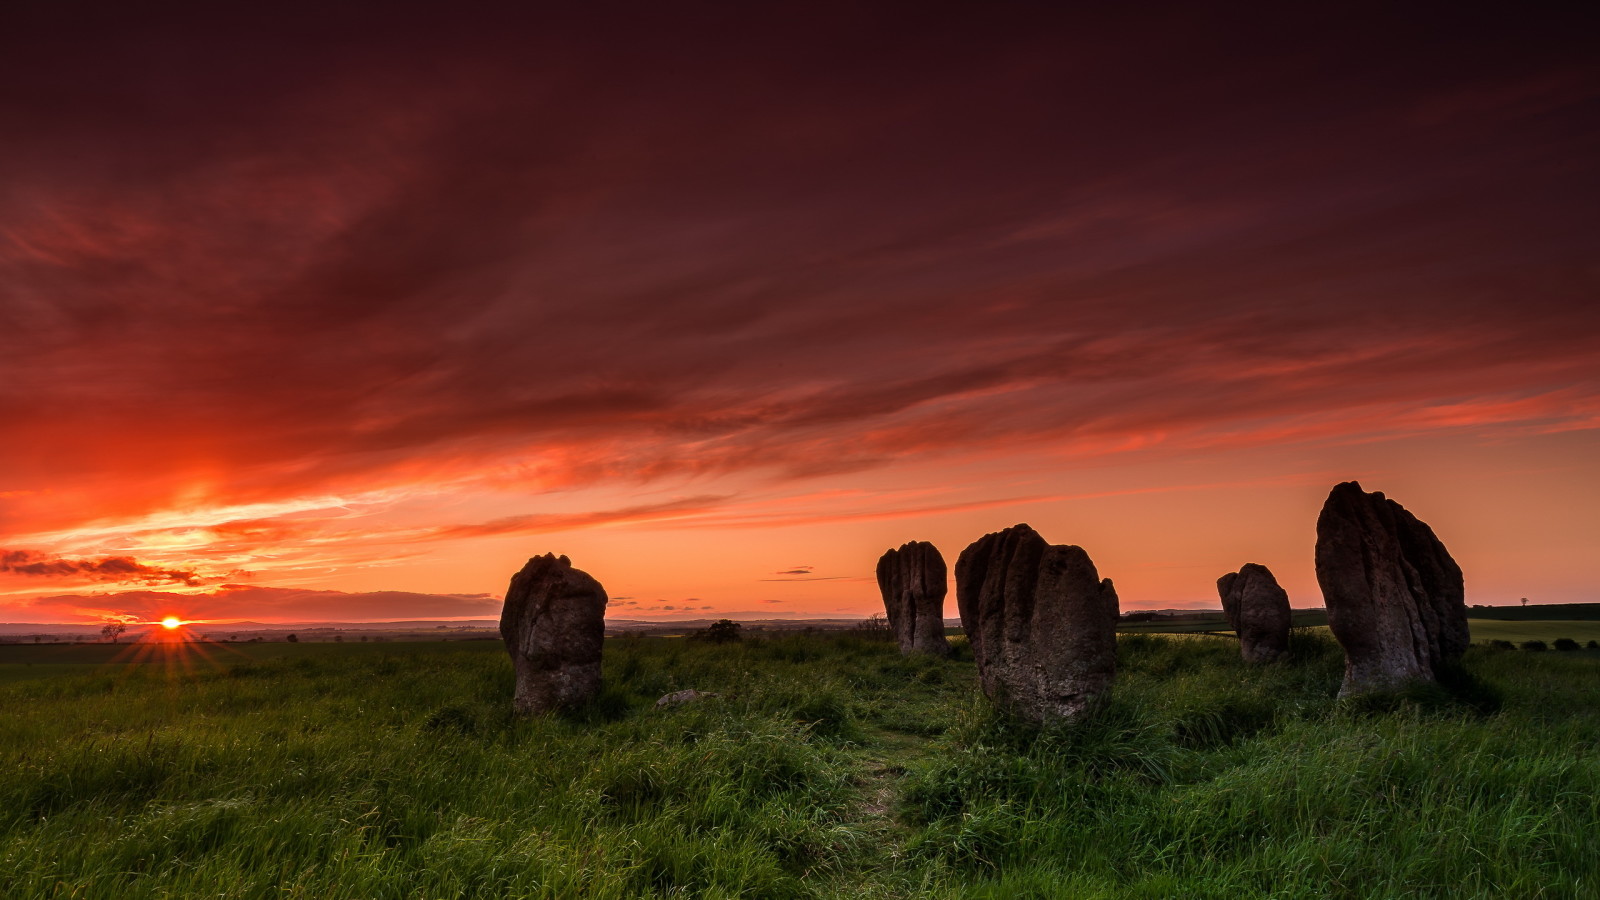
pixel 1258 611
pixel 1395 597
pixel 1041 622
pixel 553 624
pixel 913 581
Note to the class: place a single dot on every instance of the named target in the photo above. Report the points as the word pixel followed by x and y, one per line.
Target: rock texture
pixel 914 581
pixel 1258 610
pixel 679 698
pixel 553 624
pixel 1041 622
pixel 1395 597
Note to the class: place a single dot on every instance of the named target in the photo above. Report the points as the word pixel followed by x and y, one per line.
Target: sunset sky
pixel 344 316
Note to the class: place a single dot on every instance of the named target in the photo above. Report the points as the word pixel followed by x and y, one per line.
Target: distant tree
pixel 338 639
pixel 1592 645
pixel 874 628
pixel 293 639
pixel 1567 644
pixel 1524 601
pixel 876 624
pixel 113 630
pixel 722 631
pixel 1502 645
pixel 1535 646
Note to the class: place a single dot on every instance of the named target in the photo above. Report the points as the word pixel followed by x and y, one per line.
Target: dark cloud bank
pixel 299 252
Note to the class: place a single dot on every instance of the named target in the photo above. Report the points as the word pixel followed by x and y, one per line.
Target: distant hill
pixel 1568 611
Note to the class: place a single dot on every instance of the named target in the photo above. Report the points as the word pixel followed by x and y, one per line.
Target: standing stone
pixel 913 581
pixel 1395 597
pixel 1042 624
pixel 553 624
pixel 1258 611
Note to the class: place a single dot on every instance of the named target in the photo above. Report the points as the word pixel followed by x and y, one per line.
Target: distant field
pixel 1191 624
pixel 1524 627
pixel 25 661
pixel 1581 631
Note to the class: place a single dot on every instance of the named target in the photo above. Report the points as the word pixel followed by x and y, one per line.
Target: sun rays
pixel 171 643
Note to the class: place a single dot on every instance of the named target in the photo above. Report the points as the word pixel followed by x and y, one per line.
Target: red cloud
pixel 110 568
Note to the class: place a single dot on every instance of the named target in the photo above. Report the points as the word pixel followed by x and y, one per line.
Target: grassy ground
pixel 829 767
pixel 1582 630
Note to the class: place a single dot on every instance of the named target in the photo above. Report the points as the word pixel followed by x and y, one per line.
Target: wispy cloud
pixel 809 578
pixel 535 523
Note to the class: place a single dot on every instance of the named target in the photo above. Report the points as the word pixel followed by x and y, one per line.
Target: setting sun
pixel 170 622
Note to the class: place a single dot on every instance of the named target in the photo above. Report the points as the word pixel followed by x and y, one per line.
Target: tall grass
pixel 828 767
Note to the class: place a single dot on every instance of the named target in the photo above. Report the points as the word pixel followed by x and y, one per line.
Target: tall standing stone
pixel 1395 598
pixel 1258 611
pixel 1042 623
pixel 553 624
pixel 914 581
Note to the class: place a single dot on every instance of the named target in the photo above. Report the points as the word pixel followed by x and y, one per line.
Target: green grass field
pixel 1548 630
pixel 830 767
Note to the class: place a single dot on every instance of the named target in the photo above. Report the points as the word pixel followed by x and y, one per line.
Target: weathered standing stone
pixel 1395 597
pixel 553 624
pixel 1042 624
pixel 1258 610
pixel 913 580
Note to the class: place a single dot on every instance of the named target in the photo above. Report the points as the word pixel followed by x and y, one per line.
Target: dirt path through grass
pixel 883 761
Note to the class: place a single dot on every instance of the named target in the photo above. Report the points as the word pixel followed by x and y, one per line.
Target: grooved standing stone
pixel 913 581
pixel 1258 610
pixel 553 624
pixel 1042 624
pixel 1395 597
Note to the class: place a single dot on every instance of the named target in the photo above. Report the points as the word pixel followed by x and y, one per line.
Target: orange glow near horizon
pixel 811 551
pixel 353 345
